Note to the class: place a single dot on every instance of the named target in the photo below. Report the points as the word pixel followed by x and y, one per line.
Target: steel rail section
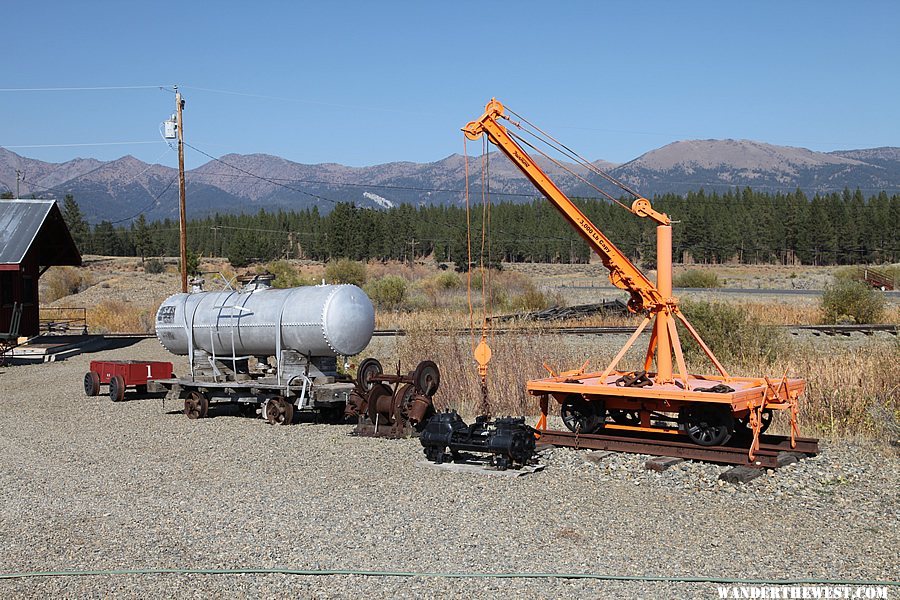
pixel 766 456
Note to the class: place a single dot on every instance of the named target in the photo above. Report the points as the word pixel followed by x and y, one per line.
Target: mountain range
pixel 121 189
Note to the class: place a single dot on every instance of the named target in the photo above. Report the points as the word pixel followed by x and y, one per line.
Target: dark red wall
pixel 21 287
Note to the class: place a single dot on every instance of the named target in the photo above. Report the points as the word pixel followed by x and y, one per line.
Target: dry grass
pixel 782 313
pixel 59 282
pixel 114 316
pixel 853 392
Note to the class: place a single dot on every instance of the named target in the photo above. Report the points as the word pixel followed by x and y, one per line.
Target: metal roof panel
pixel 20 223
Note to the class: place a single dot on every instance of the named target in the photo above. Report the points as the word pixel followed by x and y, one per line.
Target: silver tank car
pixel 322 320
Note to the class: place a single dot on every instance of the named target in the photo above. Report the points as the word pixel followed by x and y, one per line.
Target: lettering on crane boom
pixel 520 158
pixel 595 235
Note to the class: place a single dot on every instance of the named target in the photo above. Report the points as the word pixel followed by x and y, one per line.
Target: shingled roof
pixel 39 223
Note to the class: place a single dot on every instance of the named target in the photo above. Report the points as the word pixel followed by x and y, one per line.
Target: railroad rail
pixel 770 446
pixel 830 330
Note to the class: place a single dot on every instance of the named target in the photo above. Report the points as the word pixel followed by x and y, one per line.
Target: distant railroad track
pixel 894 294
pixel 829 330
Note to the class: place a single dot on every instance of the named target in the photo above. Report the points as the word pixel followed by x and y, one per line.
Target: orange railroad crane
pixel 709 409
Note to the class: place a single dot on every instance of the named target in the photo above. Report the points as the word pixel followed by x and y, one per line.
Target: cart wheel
pixel 707 425
pixel 582 416
pixel 91 383
pixel 196 405
pixel 279 411
pixel 116 388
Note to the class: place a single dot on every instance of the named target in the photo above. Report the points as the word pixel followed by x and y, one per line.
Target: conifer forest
pixel 744 226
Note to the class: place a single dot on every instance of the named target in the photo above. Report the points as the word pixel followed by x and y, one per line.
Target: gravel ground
pixel 87 484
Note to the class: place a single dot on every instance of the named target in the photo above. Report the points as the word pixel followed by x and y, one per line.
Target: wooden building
pixel 33 238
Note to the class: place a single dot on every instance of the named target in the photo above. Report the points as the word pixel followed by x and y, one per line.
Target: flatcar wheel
pixel 279 411
pixel 707 425
pixel 196 405
pixel 743 424
pixel 116 388
pixel 580 415
pixel 625 417
pixel 91 383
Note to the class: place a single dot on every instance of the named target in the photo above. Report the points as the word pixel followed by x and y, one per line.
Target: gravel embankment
pixel 88 484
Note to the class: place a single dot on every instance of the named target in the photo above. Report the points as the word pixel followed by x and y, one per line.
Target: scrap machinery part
pixel 508 441
pixel 393 405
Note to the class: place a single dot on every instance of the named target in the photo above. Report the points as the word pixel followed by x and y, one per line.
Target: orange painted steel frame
pixel 751 395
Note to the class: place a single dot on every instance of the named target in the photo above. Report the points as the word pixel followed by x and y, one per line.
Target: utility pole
pixel 179 106
pixel 412 256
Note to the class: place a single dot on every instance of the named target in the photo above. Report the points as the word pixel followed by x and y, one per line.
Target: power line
pixel 260 177
pixel 372 185
pixel 149 206
pixel 84 89
pixel 78 145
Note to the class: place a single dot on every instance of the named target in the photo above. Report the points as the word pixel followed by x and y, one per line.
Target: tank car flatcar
pixel 270 351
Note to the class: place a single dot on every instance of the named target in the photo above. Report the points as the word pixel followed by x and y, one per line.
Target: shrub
pixel 346 271
pixel 697 279
pixel 731 332
pixel 853 301
pixel 154 266
pixel 286 275
pixel 60 282
pixel 531 299
pixel 448 280
pixel 115 316
pixel 388 292
pixel 439 286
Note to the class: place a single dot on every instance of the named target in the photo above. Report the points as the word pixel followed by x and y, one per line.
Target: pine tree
pixel 143 241
pixel 76 223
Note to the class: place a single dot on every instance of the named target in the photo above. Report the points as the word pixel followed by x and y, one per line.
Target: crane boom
pixel 622 272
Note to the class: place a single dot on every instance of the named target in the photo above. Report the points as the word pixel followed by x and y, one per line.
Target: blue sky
pixel 362 83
